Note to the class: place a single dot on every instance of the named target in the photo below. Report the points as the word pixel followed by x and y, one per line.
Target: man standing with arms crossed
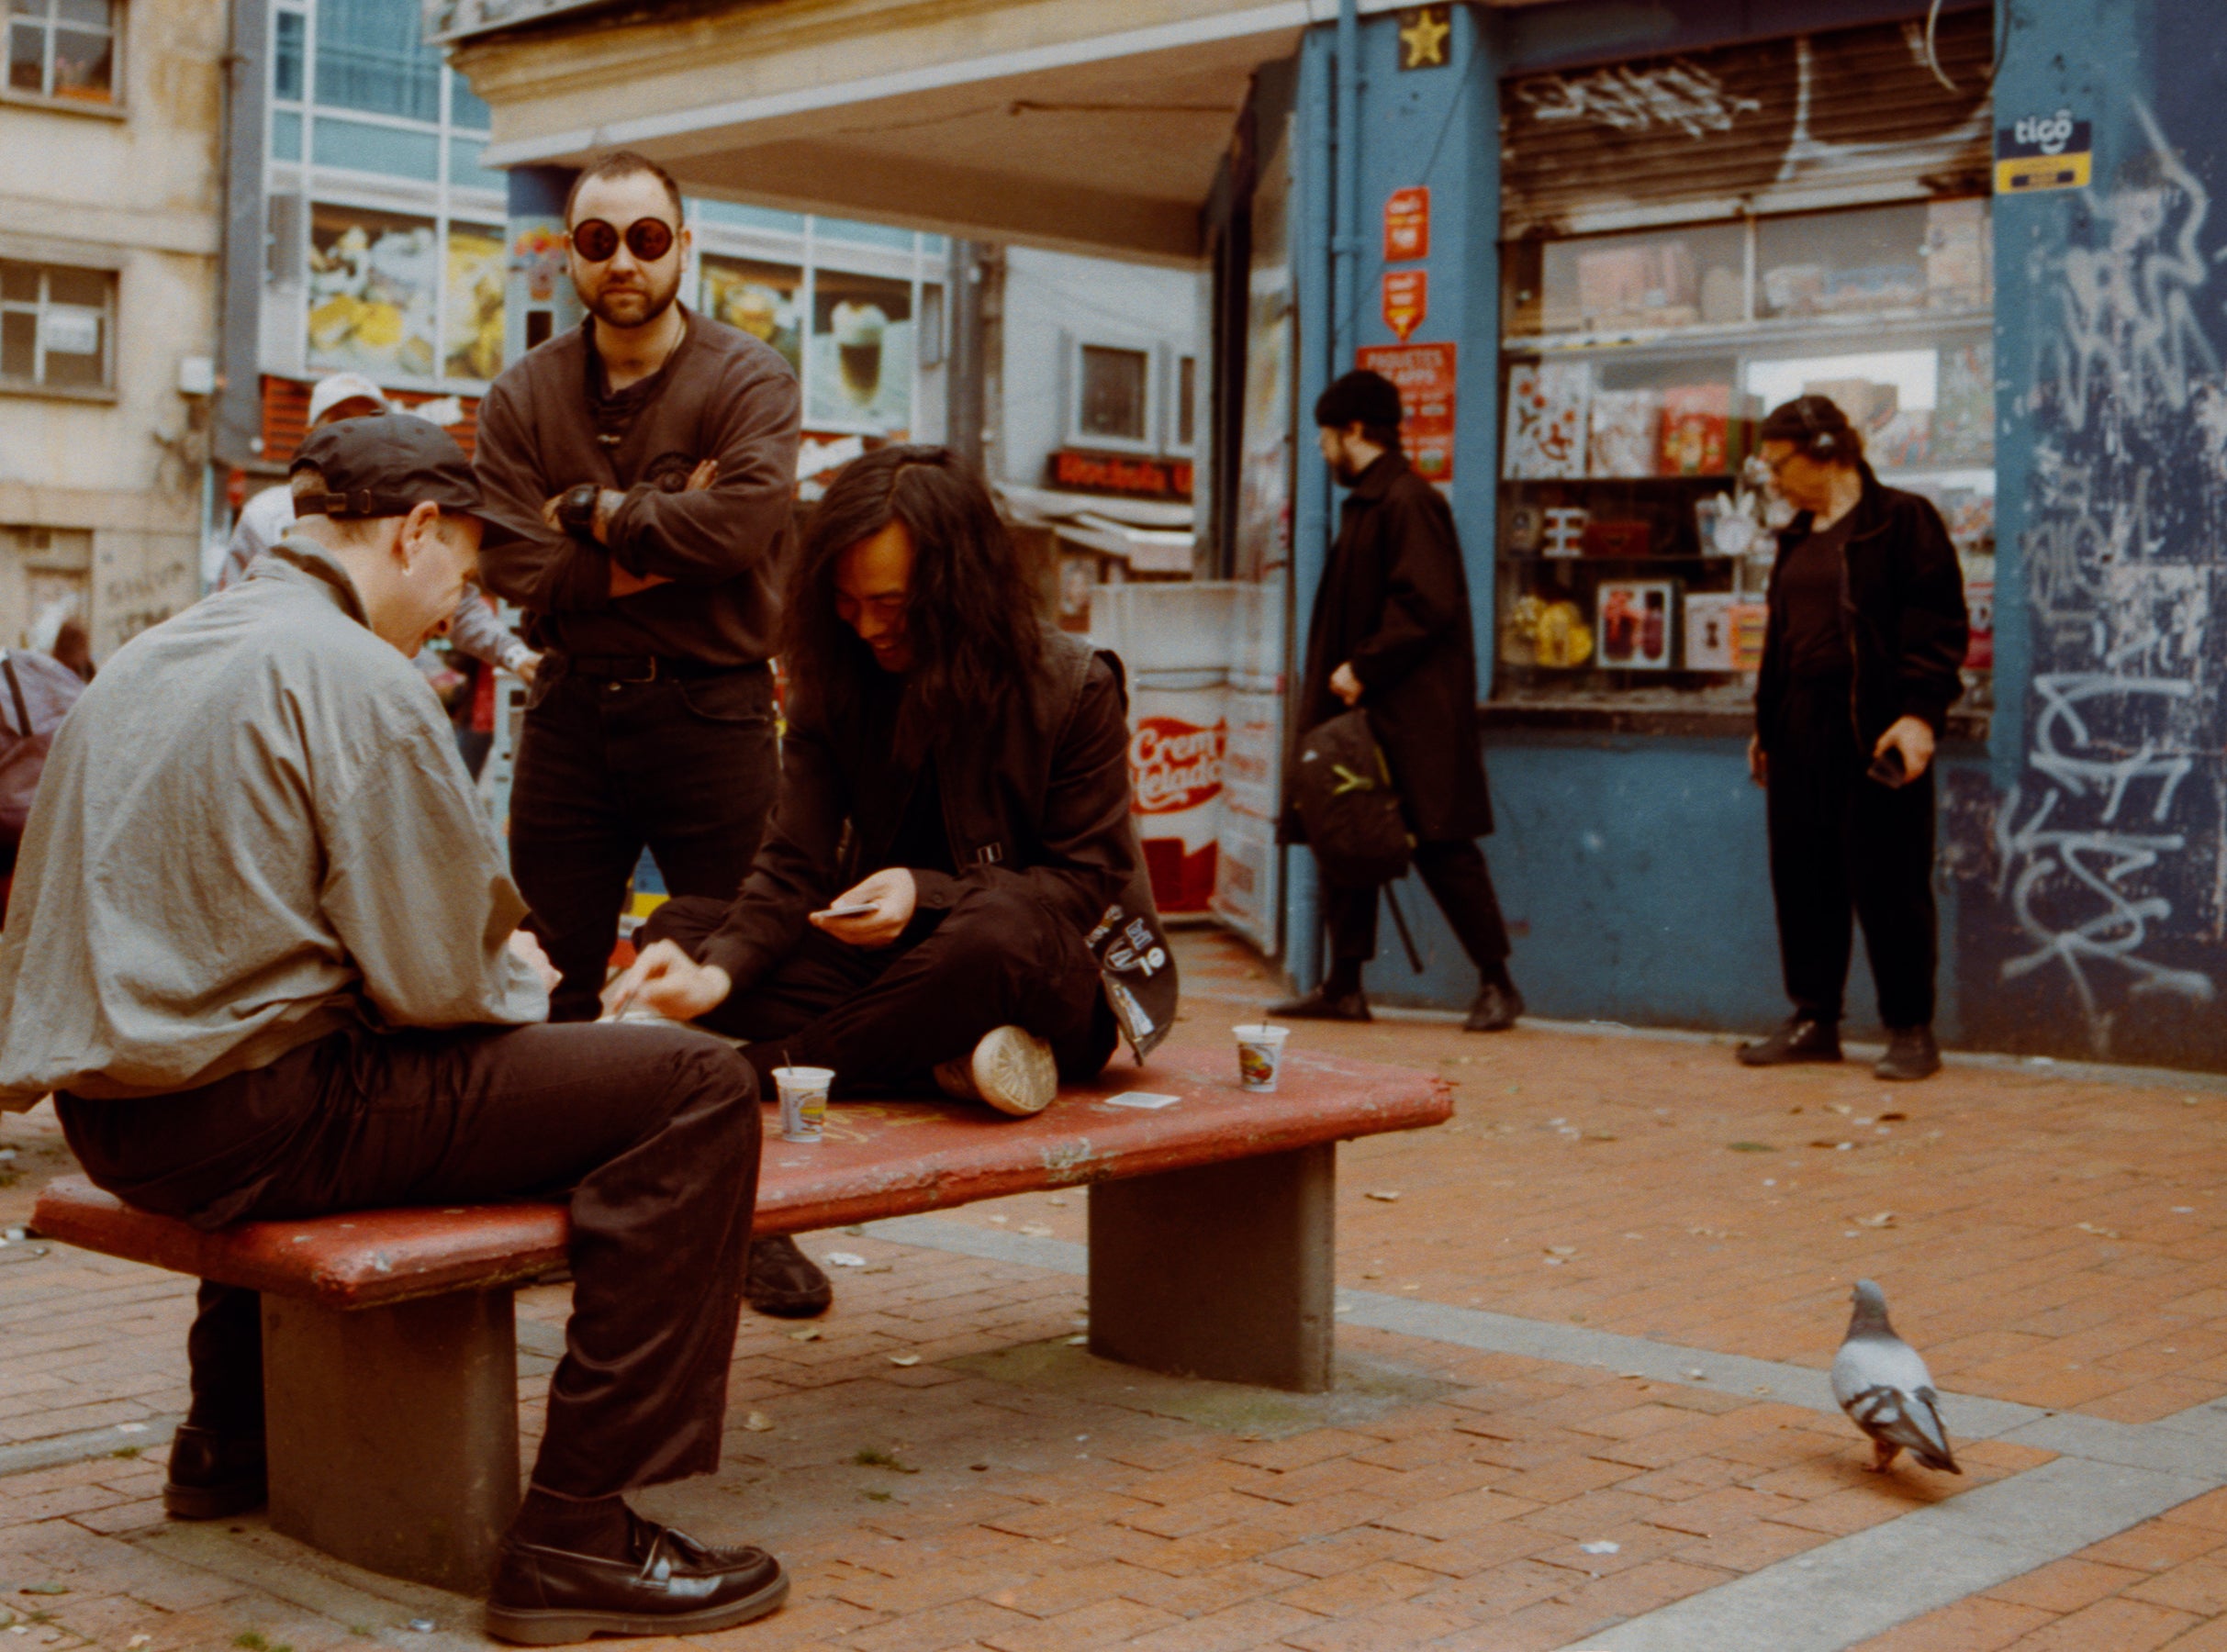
pixel 644 464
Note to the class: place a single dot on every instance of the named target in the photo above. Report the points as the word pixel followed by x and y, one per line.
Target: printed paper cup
pixel 1259 1055
pixel 803 1101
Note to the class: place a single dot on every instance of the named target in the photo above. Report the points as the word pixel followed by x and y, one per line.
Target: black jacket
pixel 1394 602
pixel 1902 610
pixel 1038 801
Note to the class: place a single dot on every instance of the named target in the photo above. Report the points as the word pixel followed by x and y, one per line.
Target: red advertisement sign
pixel 1406 225
pixel 1406 301
pixel 1112 472
pixel 1174 765
pixel 1423 374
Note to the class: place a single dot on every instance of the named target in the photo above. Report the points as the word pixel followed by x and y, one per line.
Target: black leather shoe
pixel 1800 1040
pixel 1496 1009
pixel 784 1282
pixel 212 1477
pixel 1910 1054
pixel 667 1584
pixel 1320 1005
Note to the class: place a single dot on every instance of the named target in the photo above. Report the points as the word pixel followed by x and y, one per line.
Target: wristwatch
pixel 576 510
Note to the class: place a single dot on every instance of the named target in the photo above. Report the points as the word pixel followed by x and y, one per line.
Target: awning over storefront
pixel 1072 124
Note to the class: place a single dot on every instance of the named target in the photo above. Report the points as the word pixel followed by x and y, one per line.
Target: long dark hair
pixel 971 618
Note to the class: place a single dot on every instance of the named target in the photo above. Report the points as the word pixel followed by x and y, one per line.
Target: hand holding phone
pixel 1889 770
pixel 846 908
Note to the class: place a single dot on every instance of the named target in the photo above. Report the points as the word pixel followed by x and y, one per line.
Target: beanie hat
pixel 1815 425
pixel 1361 398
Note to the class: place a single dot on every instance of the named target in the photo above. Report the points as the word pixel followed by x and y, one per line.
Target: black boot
pixel 1910 1054
pixel 784 1282
pixel 1497 1008
pixel 1800 1040
pixel 1323 1004
pixel 212 1477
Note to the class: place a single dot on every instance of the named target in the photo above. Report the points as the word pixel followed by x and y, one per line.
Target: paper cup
pixel 1259 1055
pixel 803 1101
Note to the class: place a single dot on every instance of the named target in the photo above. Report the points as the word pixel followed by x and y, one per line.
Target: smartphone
pixel 848 908
pixel 1888 769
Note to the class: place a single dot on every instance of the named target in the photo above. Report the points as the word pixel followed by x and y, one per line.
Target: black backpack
pixel 1342 788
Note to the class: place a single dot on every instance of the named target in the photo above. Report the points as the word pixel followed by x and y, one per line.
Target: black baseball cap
pixel 388 466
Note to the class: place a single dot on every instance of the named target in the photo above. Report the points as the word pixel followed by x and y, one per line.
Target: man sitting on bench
pixel 952 820
pixel 262 950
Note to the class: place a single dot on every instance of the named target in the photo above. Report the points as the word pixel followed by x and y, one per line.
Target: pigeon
pixel 1883 1385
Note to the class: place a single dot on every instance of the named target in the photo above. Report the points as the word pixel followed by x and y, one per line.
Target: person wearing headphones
pixel 1863 658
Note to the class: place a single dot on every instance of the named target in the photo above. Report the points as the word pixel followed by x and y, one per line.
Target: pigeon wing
pixel 1912 1420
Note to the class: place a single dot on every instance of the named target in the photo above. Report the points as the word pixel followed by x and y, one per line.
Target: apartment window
pixel 55 326
pixel 63 49
pixel 1113 395
pixel 1186 402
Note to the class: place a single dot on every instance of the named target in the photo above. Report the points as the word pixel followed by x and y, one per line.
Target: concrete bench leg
pixel 1221 1271
pixel 393 1432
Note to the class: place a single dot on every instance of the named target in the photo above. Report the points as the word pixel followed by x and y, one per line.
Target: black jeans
pixel 654 1129
pixel 686 767
pixel 1842 843
pixel 1456 876
pixel 882 1017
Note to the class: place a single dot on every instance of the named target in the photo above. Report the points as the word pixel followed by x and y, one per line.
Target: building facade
pixel 109 244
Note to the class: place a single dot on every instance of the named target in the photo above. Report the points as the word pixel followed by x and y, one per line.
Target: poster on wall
pixel 764 300
pixel 862 354
pixel 1549 407
pixel 477 274
pixel 375 285
pixel 1424 375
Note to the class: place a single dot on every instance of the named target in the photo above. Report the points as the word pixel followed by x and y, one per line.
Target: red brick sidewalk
pixel 2046 1240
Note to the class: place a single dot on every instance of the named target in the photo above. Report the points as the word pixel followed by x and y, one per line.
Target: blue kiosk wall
pixel 2083 875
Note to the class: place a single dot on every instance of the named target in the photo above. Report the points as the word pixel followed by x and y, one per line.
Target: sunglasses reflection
pixel 597 242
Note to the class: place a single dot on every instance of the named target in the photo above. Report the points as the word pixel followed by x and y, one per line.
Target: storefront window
pixel 1634 530
pixel 374 282
pixel 764 300
pixel 862 352
pixel 477 270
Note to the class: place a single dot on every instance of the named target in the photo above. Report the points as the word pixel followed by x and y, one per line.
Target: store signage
pixel 1117 473
pixel 1422 35
pixel 1174 765
pixel 1424 375
pixel 1406 225
pixel 1406 301
pixel 2043 152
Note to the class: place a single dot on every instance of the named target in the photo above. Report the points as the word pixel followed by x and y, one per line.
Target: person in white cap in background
pixel 268 518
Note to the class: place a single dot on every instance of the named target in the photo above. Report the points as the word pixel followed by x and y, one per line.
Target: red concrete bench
pixel 389 1351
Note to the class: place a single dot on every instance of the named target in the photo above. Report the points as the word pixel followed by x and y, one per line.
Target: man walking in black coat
pixel 1390 633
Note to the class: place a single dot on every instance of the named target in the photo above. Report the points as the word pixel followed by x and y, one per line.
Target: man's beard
pixel 1346 470
pixel 633 306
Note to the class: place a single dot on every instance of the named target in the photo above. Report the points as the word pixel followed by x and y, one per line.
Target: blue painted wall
pixel 2084 853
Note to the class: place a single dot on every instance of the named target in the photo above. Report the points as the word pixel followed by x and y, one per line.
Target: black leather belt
pixel 646 668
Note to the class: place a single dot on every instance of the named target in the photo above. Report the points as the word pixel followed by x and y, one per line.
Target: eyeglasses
pixel 648 239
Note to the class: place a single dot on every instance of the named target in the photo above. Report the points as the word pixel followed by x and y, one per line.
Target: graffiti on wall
pixel 2111 853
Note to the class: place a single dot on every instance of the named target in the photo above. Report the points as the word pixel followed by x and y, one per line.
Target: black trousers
pixel 1842 843
pixel 882 1017
pixel 654 1129
pixel 1456 876
pixel 686 766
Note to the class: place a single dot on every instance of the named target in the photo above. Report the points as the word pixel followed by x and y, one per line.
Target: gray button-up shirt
pixel 253 830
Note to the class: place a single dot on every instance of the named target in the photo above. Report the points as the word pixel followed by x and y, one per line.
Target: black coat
pixel 1902 610
pixel 1394 604
pixel 1034 801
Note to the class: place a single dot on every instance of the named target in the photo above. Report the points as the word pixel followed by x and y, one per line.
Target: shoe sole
pixel 1015 1073
pixel 1771 1061
pixel 1892 1076
pixel 211 1502
pixel 536 1627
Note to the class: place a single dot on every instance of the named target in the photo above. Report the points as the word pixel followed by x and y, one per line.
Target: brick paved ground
pixel 2049 1240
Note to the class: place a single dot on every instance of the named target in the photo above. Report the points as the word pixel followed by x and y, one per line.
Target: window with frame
pixel 1186 403
pixel 56 328
pixel 63 49
pixel 1113 391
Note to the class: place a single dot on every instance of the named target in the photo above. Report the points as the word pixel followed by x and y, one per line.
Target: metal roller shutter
pixel 1824 120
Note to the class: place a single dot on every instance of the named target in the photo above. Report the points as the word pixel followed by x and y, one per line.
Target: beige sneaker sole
pixel 1014 1072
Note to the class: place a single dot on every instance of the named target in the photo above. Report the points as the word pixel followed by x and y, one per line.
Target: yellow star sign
pixel 1422 31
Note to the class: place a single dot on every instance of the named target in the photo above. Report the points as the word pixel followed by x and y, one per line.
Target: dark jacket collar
pixel 302 561
pixel 1376 481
